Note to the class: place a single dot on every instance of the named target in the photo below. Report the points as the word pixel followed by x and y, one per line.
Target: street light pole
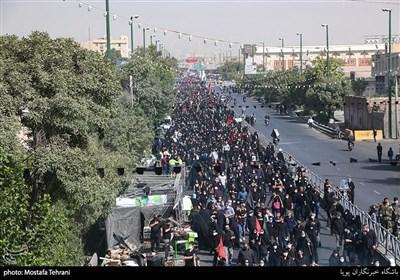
pixel 131 24
pixel 108 33
pixel 301 52
pixel 327 51
pixel 283 55
pixel 144 40
pixel 390 70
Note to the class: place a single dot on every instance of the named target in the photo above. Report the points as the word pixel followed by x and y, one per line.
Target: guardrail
pixel 320 127
pixel 389 245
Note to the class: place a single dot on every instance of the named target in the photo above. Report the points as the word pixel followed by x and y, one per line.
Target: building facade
pixel 379 68
pixel 356 59
pixel 100 45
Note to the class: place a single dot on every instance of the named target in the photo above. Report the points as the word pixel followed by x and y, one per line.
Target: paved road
pixel 373 180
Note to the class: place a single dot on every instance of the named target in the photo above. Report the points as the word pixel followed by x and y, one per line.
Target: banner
pixel 150 200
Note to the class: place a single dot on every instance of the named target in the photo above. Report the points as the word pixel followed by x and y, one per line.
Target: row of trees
pixel 76 107
pixel 310 91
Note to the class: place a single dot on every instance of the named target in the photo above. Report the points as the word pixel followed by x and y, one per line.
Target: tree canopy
pixel 78 116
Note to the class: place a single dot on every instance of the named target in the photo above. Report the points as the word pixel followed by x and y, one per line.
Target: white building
pixel 100 45
pixel 356 58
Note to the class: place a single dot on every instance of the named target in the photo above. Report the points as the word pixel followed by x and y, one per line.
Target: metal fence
pixel 389 245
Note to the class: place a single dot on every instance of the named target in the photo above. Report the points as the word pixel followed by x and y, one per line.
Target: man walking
pixel 379 150
pixel 351 190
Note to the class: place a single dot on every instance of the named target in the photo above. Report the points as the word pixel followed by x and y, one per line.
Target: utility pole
pixel 301 52
pixel 283 55
pixel 327 51
pixel 389 70
pixel 108 33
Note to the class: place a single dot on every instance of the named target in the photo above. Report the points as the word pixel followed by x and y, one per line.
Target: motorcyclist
pixel 266 119
pixel 350 142
pixel 310 122
pixel 244 98
pixel 234 101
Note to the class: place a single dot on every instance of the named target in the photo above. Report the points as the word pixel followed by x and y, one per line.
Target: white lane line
pixel 377 192
pixel 338 169
pixel 361 183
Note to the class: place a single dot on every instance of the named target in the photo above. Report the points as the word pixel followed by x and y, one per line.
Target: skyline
pixel 240 22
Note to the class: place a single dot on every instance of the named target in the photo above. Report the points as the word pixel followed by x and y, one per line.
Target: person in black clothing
pixel 351 190
pixel 190 255
pixel 167 236
pixel 370 242
pixel 246 254
pixel 275 254
pixel 334 258
pixel 348 246
pixel 155 233
pixel 300 260
pixel 379 151
pixel 142 220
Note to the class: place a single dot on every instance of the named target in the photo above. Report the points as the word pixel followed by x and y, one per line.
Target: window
pixel 350 62
pixel 290 64
pixel 364 61
pixel 277 64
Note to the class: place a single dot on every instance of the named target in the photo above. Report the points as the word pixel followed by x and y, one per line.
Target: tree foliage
pixel 32 235
pixel 153 79
pixel 79 120
pixel 231 70
pixel 310 91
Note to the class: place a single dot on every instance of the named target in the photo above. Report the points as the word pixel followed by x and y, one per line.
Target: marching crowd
pixel 249 197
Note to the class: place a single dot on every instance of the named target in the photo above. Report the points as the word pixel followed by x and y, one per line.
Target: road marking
pixel 361 183
pixel 377 192
pixel 338 169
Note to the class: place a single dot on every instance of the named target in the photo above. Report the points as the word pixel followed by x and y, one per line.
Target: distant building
pixel 380 67
pixel 100 45
pixel 356 58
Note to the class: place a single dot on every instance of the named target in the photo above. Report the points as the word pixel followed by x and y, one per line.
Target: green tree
pixel 319 71
pixel 326 97
pixel 153 78
pixel 78 122
pixel 38 235
pixel 231 70
pixel 359 86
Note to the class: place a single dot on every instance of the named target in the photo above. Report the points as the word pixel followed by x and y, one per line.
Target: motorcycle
pixel 266 122
pixel 350 145
pixel 276 141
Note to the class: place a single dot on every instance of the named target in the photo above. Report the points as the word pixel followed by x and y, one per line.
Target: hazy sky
pixel 237 21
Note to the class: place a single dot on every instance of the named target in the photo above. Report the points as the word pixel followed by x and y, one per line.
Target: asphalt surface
pixel 373 180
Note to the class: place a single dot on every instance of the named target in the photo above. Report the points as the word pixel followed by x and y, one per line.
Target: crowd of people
pixel 249 197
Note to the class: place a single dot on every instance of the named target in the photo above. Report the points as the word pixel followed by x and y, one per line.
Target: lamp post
pixel 301 52
pixel 161 50
pixel 144 40
pixel 131 24
pixel 108 53
pixel 157 44
pixel 327 51
pixel 283 55
pixel 390 70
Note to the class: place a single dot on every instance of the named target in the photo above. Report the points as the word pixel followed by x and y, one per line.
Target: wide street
pixel 373 180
